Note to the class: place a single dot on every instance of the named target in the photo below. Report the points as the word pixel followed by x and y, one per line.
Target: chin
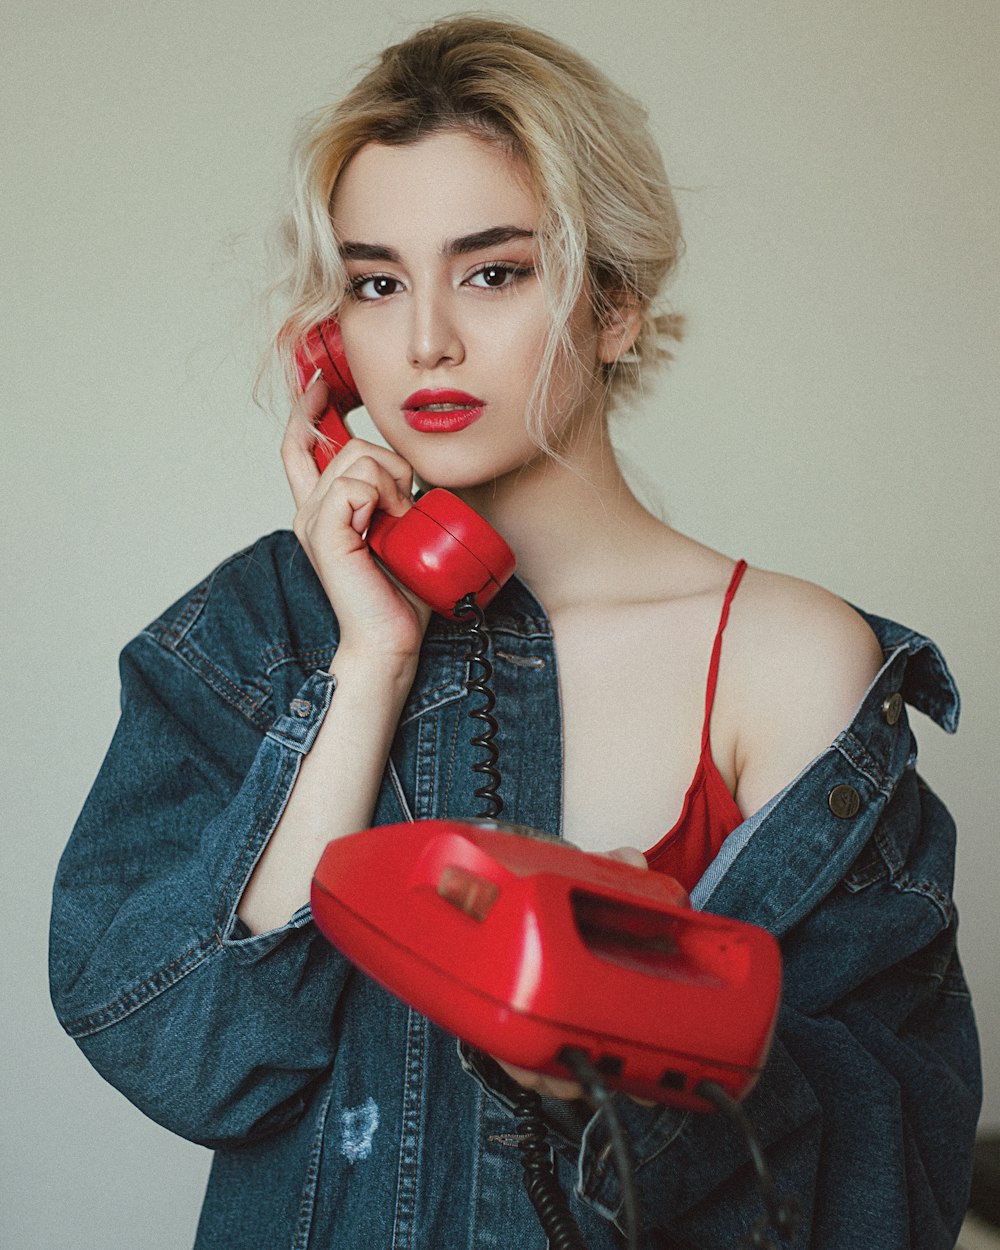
pixel 458 483
pixel 464 472
pixel 436 471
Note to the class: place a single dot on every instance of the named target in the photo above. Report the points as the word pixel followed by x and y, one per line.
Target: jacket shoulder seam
pixel 251 707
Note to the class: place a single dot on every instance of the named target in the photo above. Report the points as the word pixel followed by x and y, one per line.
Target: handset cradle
pixel 440 548
pixel 525 947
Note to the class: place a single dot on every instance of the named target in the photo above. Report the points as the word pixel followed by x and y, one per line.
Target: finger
pixel 550 1086
pixel 394 465
pixel 330 526
pixel 554 1087
pixel 297 444
pixel 628 855
pixel 392 496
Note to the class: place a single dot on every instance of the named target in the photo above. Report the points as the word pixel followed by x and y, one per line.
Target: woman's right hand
pixel 334 509
pixel 381 629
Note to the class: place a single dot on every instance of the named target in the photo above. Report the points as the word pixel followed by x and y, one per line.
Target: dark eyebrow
pixel 479 241
pixel 368 251
pixel 495 236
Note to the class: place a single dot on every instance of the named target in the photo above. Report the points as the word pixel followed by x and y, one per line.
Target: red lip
pixel 418 416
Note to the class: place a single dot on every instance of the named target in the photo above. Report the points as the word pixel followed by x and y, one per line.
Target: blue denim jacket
pixel 339 1117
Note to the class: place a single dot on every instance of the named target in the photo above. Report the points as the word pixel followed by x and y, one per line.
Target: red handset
pixel 523 947
pixel 440 549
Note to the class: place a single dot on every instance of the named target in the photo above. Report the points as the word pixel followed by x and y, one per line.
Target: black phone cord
pixel 540 1179
pixel 481 683
pixel 782 1211
pixel 599 1097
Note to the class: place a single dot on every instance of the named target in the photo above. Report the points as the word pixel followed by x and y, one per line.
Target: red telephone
pixel 523 946
pixel 441 549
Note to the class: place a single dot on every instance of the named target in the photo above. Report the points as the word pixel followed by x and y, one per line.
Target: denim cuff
pixel 265 793
pixel 248 947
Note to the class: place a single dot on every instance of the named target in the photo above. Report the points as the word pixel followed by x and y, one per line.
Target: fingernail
pixel 317 374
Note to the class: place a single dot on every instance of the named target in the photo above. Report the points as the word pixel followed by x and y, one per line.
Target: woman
pixel 488 220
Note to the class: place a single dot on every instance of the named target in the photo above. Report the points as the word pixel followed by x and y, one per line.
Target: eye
pixel 374 286
pixel 497 275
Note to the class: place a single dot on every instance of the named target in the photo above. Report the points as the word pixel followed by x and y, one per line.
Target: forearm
pixel 337 786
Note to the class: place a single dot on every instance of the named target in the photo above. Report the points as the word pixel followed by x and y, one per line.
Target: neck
pixel 574 526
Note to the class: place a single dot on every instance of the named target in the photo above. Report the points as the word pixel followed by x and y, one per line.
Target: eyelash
pixel 514 274
pixel 355 285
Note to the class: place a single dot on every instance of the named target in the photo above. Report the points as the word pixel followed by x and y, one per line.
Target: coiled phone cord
pixel 540 1179
pixel 482 683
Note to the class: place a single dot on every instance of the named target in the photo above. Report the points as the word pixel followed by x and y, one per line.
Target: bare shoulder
pixel 785 622
pixel 799 660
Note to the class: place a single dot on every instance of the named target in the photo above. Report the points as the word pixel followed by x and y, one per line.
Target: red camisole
pixel 709 814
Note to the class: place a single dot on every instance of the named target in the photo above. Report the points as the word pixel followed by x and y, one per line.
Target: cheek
pixel 368 348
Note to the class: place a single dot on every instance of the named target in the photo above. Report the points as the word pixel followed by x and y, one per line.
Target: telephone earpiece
pixel 440 549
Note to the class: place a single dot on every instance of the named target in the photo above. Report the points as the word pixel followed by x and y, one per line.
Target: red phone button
pixel 471 894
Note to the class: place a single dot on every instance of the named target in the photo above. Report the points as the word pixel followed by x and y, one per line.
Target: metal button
pixel 892 708
pixel 844 802
pixel 301 708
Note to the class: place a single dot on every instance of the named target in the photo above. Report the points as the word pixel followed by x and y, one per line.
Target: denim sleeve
pixel 867 1123
pixel 216 1034
pixel 867 1106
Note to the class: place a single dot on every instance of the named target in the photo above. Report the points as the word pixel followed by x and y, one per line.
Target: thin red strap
pixel 713 667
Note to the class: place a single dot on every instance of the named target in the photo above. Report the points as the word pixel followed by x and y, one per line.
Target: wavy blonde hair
pixel 608 220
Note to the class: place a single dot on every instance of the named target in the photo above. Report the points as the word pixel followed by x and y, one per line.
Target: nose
pixel 435 339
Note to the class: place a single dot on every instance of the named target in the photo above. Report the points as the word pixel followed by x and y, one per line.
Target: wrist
pixel 375 670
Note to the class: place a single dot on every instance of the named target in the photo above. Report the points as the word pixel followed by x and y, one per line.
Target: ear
pixel 620 328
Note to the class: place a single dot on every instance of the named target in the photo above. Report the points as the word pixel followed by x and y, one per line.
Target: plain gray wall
pixel 832 413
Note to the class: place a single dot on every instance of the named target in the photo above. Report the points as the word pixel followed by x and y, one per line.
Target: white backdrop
pixel 833 412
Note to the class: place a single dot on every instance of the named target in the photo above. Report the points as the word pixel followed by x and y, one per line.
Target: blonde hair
pixel 608 220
